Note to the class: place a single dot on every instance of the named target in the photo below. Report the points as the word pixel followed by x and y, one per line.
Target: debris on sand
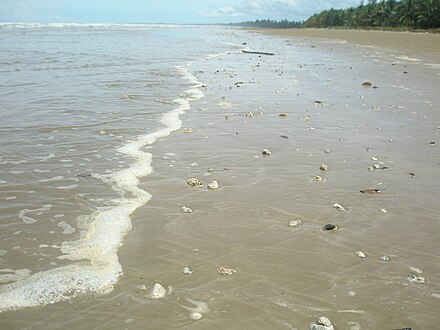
pixel 416 279
pixel 295 223
pixel 338 207
pixel 329 227
pixel 371 191
pixel 158 292
pixel 213 185
pixel 226 271
pixel 266 152
pixel 186 209
pixel 323 323
pixel 194 182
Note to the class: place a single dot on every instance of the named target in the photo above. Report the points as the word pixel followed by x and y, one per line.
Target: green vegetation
pixel 391 14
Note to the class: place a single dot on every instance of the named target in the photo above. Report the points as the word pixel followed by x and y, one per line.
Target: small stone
pixel 319 178
pixel 366 84
pixel 194 182
pixel 249 114
pixel 210 170
pixel 385 258
pixel 195 315
pixel 338 206
pixel 416 279
pixel 370 191
pixel 390 140
pixel 323 323
pixel 360 254
pixel 266 152
pixel 226 271
pixel 283 115
pixel 323 167
pixel 187 271
pixel 327 151
pixel 376 166
pixel 142 287
pixel 186 209
pixel 213 185
pixel 329 227
pixel 383 210
pixel 158 291
pixel 295 223
pixel 432 143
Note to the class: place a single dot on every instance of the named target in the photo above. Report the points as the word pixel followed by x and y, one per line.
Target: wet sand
pixel 414 41
pixel 286 277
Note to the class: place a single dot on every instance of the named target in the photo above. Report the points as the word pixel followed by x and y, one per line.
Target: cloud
pixel 224 11
pixel 23 12
pixel 279 9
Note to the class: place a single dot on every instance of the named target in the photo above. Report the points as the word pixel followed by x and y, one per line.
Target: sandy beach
pixel 369 114
pixel 415 41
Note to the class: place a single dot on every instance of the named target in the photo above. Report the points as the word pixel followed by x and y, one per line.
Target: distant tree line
pixel 410 14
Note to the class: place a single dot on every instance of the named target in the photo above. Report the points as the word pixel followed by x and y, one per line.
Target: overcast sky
pixel 162 11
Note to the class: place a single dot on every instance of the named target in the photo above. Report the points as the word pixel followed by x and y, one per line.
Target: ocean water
pixel 80 106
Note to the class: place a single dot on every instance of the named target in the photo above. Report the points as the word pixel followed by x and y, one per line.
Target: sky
pixel 162 11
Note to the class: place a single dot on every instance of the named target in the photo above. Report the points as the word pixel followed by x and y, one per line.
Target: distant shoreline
pixel 415 41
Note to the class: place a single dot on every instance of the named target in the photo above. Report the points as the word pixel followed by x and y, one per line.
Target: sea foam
pixel 98 267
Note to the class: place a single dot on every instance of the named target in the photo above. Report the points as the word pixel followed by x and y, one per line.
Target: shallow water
pixel 286 277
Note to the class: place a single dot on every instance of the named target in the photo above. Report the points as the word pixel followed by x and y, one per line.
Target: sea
pixel 80 105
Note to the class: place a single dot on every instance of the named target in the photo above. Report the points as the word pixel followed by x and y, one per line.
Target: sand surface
pixel 414 41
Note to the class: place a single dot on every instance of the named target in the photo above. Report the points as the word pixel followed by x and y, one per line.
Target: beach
pixel 256 249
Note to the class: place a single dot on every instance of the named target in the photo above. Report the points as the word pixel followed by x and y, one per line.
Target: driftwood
pixel 257 53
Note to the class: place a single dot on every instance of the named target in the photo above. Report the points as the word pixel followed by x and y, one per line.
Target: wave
pixel 96 269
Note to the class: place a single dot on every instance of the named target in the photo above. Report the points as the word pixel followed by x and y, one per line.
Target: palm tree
pixel 408 13
pixel 429 12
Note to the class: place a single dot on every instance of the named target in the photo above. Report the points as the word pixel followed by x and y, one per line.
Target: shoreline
pixel 414 41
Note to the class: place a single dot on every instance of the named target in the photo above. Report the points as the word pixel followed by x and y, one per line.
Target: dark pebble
pixel 329 226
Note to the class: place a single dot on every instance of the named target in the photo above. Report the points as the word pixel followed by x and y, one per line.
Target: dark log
pixel 257 53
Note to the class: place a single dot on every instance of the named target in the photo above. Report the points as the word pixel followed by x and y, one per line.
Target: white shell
pixel 195 315
pixel 295 223
pixel 194 182
pixel 385 258
pixel 213 185
pixel 186 209
pixel 360 254
pixel 188 271
pixel 158 291
pixel 266 152
pixel 322 323
pixel 338 206
pixel 323 167
pixel 226 271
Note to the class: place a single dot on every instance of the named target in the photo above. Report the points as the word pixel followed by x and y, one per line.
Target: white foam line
pixel 99 267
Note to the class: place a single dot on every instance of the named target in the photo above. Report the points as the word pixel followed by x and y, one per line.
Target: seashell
pixel 416 270
pixel 432 143
pixel 213 185
pixel 158 291
pixel 416 279
pixel 383 210
pixel 186 209
pixel 283 115
pixel 284 136
pixel 366 84
pixel 323 323
pixel 194 182
pixel 376 166
pixel 327 151
pixel 266 152
pixel 319 178
pixel 385 258
pixel 195 315
pixel 249 114
pixel 188 271
pixel 338 206
pixel 360 254
pixel 210 170
pixel 226 271
pixel 329 227
pixel 323 167
pixel 295 223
